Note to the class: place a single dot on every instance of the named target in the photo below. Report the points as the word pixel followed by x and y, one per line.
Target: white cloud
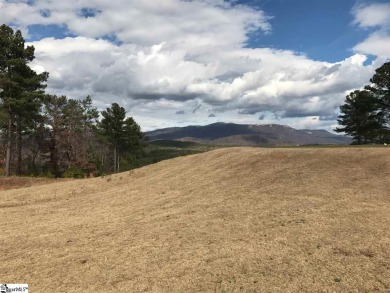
pixel 147 22
pixel 376 44
pixel 278 79
pixel 312 122
pixel 375 16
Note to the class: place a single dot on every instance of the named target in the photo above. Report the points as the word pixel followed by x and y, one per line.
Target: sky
pixel 197 62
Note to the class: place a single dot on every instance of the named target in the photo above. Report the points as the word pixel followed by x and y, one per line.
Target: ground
pixel 228 220
pixel 14 182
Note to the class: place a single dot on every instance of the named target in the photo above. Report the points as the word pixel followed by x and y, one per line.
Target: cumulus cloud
pixel 178 57
pixel 377 44
pixel 144 22
pixel 375 16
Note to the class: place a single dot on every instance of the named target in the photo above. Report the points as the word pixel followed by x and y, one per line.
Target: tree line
pixel 51 135
pixel 365 115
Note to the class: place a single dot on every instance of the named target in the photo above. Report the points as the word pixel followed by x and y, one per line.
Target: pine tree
pixel 124 134
pixel 360 117
pixel 111 128
pixel 20 87
pixel 54 112
pixel 380 88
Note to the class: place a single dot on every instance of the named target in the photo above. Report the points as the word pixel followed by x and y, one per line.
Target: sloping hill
pixel 229 220
pixel 247 135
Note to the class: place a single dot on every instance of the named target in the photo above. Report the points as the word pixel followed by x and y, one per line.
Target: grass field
pixel 228 220
pixel 14 182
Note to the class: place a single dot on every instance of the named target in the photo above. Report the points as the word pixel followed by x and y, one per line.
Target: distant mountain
pixel 247 135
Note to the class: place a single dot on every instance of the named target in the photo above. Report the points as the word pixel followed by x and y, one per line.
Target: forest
pixel 55 136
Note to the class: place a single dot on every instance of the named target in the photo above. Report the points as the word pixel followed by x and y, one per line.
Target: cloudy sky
pixel 188 62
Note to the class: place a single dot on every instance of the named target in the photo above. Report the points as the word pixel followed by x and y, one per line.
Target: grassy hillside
pixel 229 220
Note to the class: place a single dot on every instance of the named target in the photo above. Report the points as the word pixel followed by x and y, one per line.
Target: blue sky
pixel 320 29
pixel 323 30
pixel 174 63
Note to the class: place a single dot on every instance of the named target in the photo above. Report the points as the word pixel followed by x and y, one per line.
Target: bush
pixel 74 172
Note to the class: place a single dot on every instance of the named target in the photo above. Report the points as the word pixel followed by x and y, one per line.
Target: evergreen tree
pixel 360 117
pixel 111 127
pixel 54 112
pixel 380 88
pixel 20 87
pixel 124 134
pixel 366 114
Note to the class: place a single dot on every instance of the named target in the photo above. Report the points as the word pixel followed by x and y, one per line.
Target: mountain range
pixel 231 134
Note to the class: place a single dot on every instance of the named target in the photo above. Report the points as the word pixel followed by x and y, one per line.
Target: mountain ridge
pixel 232 134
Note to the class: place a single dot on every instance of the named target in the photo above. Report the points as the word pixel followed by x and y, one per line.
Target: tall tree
pixel 90 116
pixel 359 117
pixel 54 111
pixel 111 127
pixel 70 125
pixel 21 87
pixel 123 133
pixel 81 117
pixel 34 146
pixel 380 88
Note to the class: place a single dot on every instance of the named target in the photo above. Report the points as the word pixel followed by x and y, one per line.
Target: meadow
pixel 227 220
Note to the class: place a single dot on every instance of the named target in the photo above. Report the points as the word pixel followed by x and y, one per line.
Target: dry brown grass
pixel 7 183
pixel 230 220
